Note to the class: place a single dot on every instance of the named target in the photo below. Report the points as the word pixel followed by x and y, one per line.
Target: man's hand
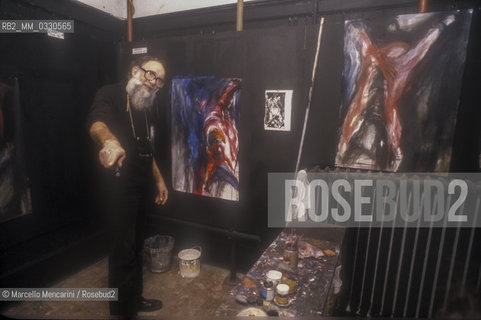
pixel 112 153
pixel 162 193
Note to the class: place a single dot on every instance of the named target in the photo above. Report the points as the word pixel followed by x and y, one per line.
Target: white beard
pixel 140 99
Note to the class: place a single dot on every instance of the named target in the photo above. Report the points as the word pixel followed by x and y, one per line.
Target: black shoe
pixel 148 305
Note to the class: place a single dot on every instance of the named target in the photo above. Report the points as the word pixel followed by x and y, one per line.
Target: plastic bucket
pixel 189 262
pixel 159 252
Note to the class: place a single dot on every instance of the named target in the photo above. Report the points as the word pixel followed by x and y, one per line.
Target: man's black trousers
pixel 127 215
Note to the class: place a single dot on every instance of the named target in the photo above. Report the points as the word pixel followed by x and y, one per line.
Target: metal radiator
pixel 402 271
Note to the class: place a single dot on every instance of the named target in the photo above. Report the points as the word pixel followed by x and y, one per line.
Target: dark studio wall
pixel 59 78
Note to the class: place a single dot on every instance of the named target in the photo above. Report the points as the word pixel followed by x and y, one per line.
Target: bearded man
pixel 120 123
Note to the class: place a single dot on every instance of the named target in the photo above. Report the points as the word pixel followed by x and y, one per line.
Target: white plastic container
pixel 274 276
pixel 189 262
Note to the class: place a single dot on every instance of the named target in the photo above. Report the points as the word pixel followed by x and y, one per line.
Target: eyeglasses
pixel 150 75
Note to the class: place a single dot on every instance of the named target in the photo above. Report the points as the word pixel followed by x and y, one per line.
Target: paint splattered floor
pixel 181 297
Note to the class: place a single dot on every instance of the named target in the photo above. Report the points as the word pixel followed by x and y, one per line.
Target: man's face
pixel 146 80
pixel 151 74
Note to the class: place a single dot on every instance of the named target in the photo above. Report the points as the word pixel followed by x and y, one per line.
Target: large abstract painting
pixel 400 90
pixel 15 197
pixel 205 137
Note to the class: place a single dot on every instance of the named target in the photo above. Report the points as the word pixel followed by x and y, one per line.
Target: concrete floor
pixel 181 297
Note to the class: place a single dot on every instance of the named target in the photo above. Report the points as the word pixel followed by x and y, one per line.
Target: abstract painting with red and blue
pixel 205 137
pixel 401 88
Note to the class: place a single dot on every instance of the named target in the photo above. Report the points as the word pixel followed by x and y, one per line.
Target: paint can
pixel 189 262
pixel 267 290
pixel 292 285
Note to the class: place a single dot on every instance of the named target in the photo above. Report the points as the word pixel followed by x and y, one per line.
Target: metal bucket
pixel 159 252
pixel 189 262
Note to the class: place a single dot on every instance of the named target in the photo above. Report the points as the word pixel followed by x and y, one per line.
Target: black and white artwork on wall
pixel 278 105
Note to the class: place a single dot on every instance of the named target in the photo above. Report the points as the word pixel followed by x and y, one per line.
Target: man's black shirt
pixel 110 107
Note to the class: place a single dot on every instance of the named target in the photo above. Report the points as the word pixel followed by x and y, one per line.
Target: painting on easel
pixel 400 91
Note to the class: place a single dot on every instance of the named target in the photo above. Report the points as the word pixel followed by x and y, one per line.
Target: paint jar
pixel 268 290
pixel 274 276
pixel 291 283
pixel 291 255
pixel 282 292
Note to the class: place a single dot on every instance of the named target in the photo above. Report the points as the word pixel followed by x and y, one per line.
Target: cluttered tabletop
pixel 293 277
